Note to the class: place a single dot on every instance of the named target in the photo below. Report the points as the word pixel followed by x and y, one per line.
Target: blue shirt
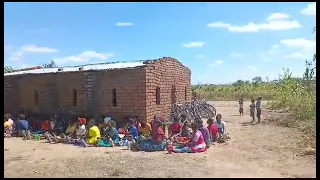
pixel 220 127
pixel 134 131
pixel 23 125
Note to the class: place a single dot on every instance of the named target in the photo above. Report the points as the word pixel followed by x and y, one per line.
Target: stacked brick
pixel 117 92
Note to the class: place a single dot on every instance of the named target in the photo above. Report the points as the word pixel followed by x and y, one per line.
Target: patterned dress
pixel 195 146
pixel 149 145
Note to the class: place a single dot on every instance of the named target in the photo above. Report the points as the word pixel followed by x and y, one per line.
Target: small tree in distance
pixel 52 64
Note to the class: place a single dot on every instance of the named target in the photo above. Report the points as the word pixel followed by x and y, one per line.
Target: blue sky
pixel 219 42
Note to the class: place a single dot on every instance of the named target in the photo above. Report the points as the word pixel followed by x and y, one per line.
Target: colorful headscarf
pixel 82 121
pixel 107 119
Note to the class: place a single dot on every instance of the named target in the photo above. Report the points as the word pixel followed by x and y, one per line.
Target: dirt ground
pixel 260 150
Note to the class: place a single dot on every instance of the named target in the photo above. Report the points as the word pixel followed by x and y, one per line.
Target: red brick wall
pixel 135 91
pixel 94 92
pixel 166 73
pixel 130 88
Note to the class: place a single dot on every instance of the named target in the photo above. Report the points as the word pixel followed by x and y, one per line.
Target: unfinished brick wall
pixel 94 91
pixel 130 88
pixel 174 82
pixel 133 89
pixel 10 94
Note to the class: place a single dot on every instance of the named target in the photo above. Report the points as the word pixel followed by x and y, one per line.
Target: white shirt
pixel 225 126
pixel 10 121
pixel 81 130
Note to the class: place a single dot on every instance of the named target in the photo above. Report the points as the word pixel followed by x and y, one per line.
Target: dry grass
pixel 290 95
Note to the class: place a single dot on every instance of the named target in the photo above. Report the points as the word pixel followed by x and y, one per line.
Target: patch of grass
pixel 289 94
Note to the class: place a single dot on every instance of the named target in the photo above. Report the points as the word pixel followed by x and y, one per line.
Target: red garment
pixel 123 131
pixel 46 125
pixel 175 128
pixel 158 135
pixel 137 125
pixel 82 121
pixel 213 129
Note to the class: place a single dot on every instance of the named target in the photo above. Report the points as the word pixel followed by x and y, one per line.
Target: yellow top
pixel 94 135
pixel 146 130
pixel 7 124
pixel 71 128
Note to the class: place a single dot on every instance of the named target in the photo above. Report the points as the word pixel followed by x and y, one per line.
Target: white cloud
pixel 193 44
pixel 255 69
pixel 38 49
pixel 84 57
pixel 295 55
pixel 200 56
pixel 277 16
pixel 300 43
pixel 216 63
pixel 124 24
pixel 274 22
pixel 274 49
pixel 236 55
pixel 17 55
pixel 310 10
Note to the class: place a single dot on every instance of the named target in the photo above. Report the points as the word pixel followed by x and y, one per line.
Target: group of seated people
pixel 136 134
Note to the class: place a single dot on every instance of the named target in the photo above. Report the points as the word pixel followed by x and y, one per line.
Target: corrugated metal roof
pixel 99 66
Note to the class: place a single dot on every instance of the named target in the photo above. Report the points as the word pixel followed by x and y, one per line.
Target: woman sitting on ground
pixel 71 129
pixel 197 143
pixel 79 133
pixel 144 129
pixel 174 128
pixel 110 135
pixel 23 127
pixel 133 132
pixel 213 130
pixel 157 142
pixel 185 134
pixel 56 133
pixel 204 131
pixel 94 133
pixel 8 126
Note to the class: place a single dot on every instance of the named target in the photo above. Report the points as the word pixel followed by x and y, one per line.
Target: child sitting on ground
pixel 222 129
pixel 110 136
pixel 79 133
pixel 213 130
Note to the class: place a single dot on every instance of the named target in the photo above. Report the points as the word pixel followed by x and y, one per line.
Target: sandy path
pixel 259 150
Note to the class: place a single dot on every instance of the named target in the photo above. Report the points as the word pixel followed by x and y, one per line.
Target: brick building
pixel 121 89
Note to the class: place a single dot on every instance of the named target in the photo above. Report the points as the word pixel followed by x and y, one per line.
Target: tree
pixel 257 80
pixel 52 64
pixel 238 83
pixel 247 82
pixel 309 76
pixel 7 69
